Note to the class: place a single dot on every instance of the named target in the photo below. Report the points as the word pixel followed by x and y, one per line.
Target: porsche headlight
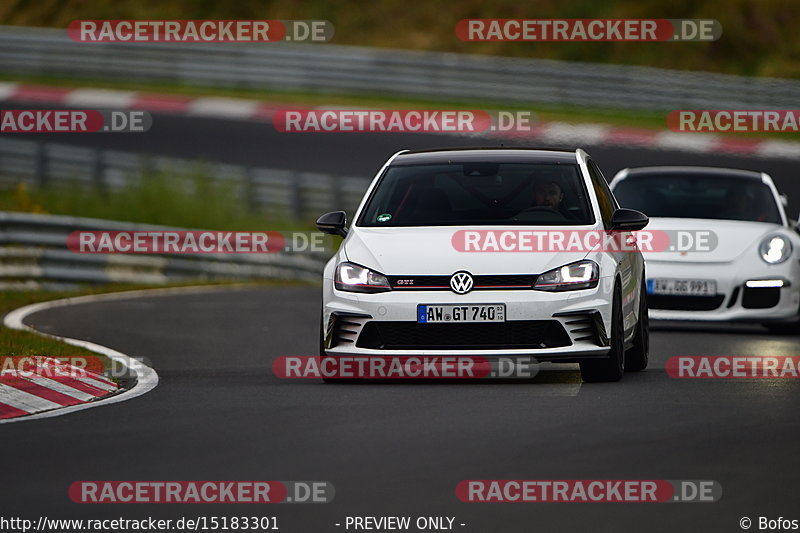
pixel 355 278
pixel 775 249
pixel 580 275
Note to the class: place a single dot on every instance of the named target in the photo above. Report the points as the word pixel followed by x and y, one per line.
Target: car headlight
pixel 355 278
pixel 580 275
pixel 775 249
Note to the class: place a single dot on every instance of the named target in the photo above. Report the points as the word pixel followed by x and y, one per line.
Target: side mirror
pixel 784 200
pixel 333 223
pixel 628 220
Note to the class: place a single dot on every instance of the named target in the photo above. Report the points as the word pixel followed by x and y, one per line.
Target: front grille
pixel 534 334
pixel 442 283
pixel 684 303
pixel 760 297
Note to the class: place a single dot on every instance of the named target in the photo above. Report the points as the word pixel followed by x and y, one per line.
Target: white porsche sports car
pixel 748 269
pixel 397 285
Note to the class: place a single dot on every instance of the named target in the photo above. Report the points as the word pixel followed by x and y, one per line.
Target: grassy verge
pixel 545 113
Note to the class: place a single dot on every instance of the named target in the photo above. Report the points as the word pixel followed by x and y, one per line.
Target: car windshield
pixel 483 194
pixel 698 196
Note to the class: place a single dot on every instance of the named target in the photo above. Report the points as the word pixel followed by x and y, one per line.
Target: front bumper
pixel 734 300
pixel 346 315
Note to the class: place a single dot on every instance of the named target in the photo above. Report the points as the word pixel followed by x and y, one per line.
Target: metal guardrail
pixel 276 193
pixel 350 69
pixel 33 253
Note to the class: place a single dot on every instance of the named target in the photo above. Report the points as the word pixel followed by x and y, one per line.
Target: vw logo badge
pixel 461 282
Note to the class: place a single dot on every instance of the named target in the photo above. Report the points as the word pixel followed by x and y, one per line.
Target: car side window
pixel 604 196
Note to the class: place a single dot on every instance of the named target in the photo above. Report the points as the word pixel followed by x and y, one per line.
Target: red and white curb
pixel 45 384
pixel 32 399
pixel 550 133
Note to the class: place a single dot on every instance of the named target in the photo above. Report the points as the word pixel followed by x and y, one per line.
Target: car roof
pixel 489 154
pixel 694 171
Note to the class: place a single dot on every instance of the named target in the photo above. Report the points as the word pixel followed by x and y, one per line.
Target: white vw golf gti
pixel 398 285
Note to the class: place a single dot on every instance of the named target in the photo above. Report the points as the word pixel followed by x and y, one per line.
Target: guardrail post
pixel 249 188
pixel 40 164
pixel 336 193
pixel 98 170
pixel 147 167
pixel 296 196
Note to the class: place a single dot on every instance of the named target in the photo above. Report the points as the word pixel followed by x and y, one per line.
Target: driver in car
pixel 548 194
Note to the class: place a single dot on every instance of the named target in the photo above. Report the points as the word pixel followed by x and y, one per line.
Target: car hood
pixel 729 239
pixel 429 251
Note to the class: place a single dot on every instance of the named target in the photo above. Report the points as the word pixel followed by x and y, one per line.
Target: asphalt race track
pixel 219 413
pixel 398 449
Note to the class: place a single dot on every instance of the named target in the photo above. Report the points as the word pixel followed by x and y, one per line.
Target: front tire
pixel 612 368
pixel 637 357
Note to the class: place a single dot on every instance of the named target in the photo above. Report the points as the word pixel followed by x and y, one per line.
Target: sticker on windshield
pixel 384 217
